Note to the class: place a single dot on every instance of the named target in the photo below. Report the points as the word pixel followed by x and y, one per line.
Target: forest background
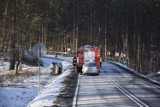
pixel 124 26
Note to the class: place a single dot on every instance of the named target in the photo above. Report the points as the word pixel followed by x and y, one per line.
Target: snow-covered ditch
pixel 22 91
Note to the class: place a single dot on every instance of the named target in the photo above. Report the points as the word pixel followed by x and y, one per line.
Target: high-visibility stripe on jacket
pixel 74 61
pixel 100 59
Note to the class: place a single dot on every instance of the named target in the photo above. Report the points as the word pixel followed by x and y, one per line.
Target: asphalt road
pixel 116 87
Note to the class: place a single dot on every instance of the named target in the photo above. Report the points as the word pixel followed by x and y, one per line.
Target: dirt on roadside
pixel 66 96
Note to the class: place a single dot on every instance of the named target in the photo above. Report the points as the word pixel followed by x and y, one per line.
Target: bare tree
pixel 13 34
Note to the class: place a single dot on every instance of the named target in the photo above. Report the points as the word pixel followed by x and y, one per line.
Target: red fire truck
pixel 88 60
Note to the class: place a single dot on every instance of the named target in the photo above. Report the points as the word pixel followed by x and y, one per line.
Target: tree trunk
pixel 91 21
pixel 127 46
pixel 138 54
pixel 105 32
pixel 74 27
pixel 4 30
pixel 12 36
pixel 17 66
pixel 76 40
pixel 135 30
pixel 19 63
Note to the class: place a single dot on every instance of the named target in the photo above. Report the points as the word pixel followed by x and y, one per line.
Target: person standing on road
pixel 100 62
pixel 74 61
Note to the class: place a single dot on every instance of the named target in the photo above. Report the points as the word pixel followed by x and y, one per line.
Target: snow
pixel 4 67
pixel 16 96
pixel 48 95
pixel 155 77
pixel 23 92
pixel 65 61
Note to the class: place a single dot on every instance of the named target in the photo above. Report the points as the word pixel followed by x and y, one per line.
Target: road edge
pixel 74 104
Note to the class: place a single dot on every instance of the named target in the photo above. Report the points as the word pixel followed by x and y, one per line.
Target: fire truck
pixel 88 59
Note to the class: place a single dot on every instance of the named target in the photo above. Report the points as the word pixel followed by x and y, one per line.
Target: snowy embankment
pixel 153 77
pixel 21 90
pixel 49 93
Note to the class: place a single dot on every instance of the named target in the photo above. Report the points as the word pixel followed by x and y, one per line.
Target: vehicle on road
pixel 88 60
pixel 90 68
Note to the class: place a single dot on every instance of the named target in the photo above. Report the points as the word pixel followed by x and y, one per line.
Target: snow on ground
pixel 22 91
pixel 4 67
pixel 49 93
pixel 66 61
pixel 17 96
pixel 152 76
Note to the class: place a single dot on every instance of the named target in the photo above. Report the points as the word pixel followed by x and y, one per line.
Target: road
pixel 116 87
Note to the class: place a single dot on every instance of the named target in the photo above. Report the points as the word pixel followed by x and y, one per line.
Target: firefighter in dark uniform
pixel 100 62
pixel 74 61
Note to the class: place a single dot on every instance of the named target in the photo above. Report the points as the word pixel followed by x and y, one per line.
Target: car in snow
pixel 90 68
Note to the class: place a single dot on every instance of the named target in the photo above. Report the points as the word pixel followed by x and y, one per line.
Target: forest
pixel 124 26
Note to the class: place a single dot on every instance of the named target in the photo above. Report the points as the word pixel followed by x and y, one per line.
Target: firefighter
pixel 74 61
pixel 100 61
